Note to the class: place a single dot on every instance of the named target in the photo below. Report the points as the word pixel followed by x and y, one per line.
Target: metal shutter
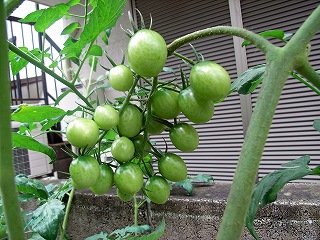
pixel 291 134
pixel 220 139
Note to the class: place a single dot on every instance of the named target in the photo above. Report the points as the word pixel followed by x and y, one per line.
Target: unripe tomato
pixel 84 171
pixel 138 145
pixel 147 53
pixel 184 137
pixel 210 81
pixel 122 149
pixel 154 127
pixel 194 108
pixel 172 167
pixel 145 166
pixel 157 189
pixel 123 196
pixel 128 178
pixel 130 121
pixel 121 78
pixel 106 117
pixel 105 180
pixel 164 103
pixel 82 132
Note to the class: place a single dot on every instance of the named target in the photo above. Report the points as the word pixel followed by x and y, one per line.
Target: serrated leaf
pixel 94 3
pixel 70 28
pixel 249 80
pixel 31 187
pixel 47 218
pixel 50 15
pixel 155 234
pixel 267 188
pixel 22 141
pixel 73 2
pixel 36 236
pixel 185 184
pixel 316 125
pixel 103 16
pixel 32 17
pixel 53 64
pixel 202 178
pixel 30 114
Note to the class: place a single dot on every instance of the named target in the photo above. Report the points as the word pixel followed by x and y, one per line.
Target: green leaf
pixel 22 141
pixel 61 96
pixel 104 38
pixel 126 232
pixel 70 28
pixel 31 187
pixel 316 171
pixel 73 2
pixel 103 16
pixel 95 50
pixel 248 81
pixel 30 114
pixel 47 218
pixel 50 15
pixel 156 234
pixel 32 17
pixel 94 3
pixel 168 69
pixel 316 125
pixel 186 184
pixel 270 33
pixel 93 61
pixel 267 188
pixel 202 178
pixel 99 236
pixel 53 64
pixel 36 236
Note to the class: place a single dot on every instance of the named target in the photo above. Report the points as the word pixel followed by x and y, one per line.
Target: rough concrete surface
pixel 294 216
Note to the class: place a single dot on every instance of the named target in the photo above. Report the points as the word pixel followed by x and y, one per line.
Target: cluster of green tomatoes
pixel 131 171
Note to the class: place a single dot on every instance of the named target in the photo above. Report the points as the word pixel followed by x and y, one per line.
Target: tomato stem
pixel 188 60
pixel 65 219
pixel 10 6
pixel 128 97
pixel 8 190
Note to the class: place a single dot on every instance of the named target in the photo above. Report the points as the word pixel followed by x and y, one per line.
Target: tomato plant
pixel 172 167
pixel 130 121
pixel 164 103
pixel 84 171
pixel 82 132
pixel 121 78
pixel 194 108
pixel 128 178
pixel 141 146
pixel 210 81
pixel 147 53
pixel 124 196
pixel 104 181
pixel 157 189
pixel 122 149
pixel 106 117
pixel 184 137
pixel 155 127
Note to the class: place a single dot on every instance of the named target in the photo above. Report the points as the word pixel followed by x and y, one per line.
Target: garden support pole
pixel 7 186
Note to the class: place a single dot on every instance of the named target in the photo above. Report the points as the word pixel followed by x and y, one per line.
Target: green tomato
pixel 172 167
pixel 106 117
pixel 164 103
pixel 123 196
pixel 184 137
pixel 84 171
pixel 122 149
pixel 138 145
pixel 128 178
pixel 147 53
pixel 195 109
pixel 157 189
pixel 210 81
pixel 105 180
pixel 121 78
pixel 82 132
pixel 130 121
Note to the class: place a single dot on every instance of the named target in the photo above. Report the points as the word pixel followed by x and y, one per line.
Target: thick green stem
pixel 10 6
pixel 275 76
pixel 7 185
pixel 38 64
pixel 65 220
pixel 259 41
pixel 135 207
pixel 306 70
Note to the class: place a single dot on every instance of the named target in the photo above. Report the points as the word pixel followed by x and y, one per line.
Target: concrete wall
pixel 295 215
